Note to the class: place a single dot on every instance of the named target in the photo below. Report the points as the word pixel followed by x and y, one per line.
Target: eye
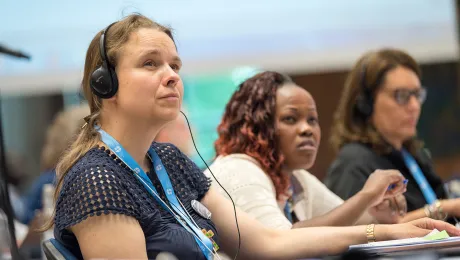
pixel 150 63
pixel 313 120
pixel 289 119
pixel 175 67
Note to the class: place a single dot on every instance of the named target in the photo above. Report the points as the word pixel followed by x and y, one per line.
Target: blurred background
pixel 222 43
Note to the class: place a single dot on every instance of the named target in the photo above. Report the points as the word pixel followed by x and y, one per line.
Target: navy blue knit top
pixel 99 183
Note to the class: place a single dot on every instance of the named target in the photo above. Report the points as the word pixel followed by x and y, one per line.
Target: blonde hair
pixel 60 134
pixel 88 137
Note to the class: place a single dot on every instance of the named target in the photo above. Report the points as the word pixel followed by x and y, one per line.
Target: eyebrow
pixel 156 52
pixel 310 109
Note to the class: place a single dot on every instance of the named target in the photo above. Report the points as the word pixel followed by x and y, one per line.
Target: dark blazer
pixel 355 162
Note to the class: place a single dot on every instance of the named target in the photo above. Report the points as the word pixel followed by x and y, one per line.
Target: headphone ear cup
pixel 114 79
pixel 364 106
pixel 101 82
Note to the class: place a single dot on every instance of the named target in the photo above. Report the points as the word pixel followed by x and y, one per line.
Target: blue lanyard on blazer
pixel 419 177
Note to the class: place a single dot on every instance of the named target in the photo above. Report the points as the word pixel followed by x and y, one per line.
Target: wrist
pixel 367 196
pixel 438 210
pixel 381 233
pixel 370 233
pixel 446 206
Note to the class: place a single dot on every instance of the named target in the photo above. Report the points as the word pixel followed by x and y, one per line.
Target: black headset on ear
pixel 104 81
pixel 364 105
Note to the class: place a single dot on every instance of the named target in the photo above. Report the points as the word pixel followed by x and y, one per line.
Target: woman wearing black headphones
pixel 375 128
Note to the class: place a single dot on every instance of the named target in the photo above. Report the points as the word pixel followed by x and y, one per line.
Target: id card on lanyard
pixel 177 210
pixel 419 177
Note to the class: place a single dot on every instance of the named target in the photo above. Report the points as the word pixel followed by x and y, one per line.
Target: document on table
pixel 433 239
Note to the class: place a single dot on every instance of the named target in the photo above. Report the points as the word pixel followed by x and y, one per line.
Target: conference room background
pixel 314 41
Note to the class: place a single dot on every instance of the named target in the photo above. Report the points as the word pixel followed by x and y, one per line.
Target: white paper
pixel 398 242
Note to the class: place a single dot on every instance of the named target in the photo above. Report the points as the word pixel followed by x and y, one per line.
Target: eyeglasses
pixel 402 96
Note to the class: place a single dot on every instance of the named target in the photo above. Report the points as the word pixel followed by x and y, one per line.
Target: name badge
pixel 201 209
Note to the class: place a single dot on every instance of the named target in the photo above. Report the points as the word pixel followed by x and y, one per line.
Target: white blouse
pixel 253 191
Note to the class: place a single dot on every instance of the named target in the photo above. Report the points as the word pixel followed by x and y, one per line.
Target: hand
pixel 390 210
pixel 377 185
pixel 451 207
pixel 417 228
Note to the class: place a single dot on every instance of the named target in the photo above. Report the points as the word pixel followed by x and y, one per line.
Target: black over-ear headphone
pixel 365 101
pixel 104 81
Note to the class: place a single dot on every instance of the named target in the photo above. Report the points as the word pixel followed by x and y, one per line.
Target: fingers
pixel 384 205
pixel 398 204
pixel 430 224
pixel 390 177
pixel 401 204
pixel 450 229
pixel 395 190
pixel 394 175
pixel 394 206
pixel 419 232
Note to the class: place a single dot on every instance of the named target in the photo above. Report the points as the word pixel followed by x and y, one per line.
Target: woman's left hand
pixel 391 210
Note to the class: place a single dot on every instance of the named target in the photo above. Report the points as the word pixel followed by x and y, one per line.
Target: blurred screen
pixel 213 36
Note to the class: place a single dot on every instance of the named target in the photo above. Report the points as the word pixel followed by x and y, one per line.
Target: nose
pixel 170 77
pixel 413 104
pixel 305 129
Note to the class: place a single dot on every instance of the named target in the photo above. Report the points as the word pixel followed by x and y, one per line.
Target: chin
pixel 167 115
pixel 306 164
pixel 409 134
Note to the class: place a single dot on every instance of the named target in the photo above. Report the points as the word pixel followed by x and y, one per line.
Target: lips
pixel 307 145
pixel 170 95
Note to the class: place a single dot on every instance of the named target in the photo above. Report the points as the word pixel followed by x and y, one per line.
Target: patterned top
pixel 100 183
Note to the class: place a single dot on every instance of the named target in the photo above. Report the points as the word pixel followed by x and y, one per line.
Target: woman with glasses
pixel 375 128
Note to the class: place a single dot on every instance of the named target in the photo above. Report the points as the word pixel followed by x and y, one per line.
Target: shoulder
pixel 355 150
pixel 355 155
pixel 96 184
pixel 236 164
pixel 424 155
pixel 316 191
pixel 168 152
pixel 165 146
pixel 97 163
pixel 305 181
pixel 354 159
pixel 182 169
pixel 305 175
pixel 238 170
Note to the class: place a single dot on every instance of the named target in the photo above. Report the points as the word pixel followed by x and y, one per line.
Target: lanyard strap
pixel 288 212
pixel 419 177
pixel 177 210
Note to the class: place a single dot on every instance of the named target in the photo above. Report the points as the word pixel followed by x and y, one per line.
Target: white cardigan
pixel 253 191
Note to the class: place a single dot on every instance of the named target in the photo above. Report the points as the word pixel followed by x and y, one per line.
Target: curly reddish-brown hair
pixel 248 125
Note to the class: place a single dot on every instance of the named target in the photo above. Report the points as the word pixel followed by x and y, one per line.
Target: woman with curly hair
pixel 268 138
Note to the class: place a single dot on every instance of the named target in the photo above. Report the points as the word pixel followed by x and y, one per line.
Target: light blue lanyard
pixel 288 212
pixel 288 208
pixel 205 244
pixel 419 177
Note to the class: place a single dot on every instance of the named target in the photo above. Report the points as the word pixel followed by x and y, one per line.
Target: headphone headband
pixel 102 45
pixel 104 81
pixel 365 101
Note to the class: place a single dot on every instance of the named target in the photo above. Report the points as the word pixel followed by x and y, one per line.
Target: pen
pixel 392 186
